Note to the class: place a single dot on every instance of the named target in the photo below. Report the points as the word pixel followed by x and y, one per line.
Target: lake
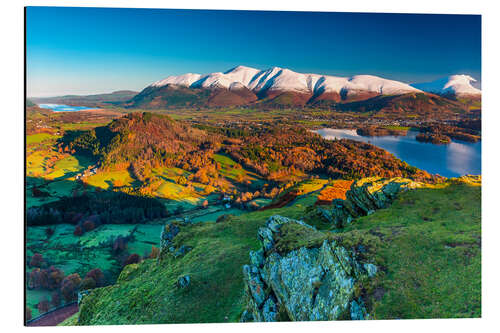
pixel 65 108
pixel 455 159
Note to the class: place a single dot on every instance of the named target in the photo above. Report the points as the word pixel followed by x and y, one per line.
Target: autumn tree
pixel 36 260
pixel 43 306
pixel 70 286
pixel 88 283
pixel 88 225
pixel 134 258
pixel 78 231
pixel 155 252
pixel 97 275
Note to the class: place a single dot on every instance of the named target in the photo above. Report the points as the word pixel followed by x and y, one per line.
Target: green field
pixel 40 137
pixel 50 170
pixel 431 248
pixel 79 255
pixel 106 179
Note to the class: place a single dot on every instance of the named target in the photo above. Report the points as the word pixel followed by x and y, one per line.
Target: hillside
pixel 137 138
pixel 426 246
pixel 407 104
pixel 176 96
pixel 142 141
pixel 88 100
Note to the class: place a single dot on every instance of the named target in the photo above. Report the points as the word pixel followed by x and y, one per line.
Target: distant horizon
pixel 128 49
pixel 476 84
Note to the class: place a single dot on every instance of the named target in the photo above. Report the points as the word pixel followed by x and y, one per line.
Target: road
pixel 56 317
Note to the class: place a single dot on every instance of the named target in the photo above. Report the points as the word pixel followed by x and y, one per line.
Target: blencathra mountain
pixel 280 86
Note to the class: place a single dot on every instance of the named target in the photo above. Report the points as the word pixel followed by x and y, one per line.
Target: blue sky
pixel 94 50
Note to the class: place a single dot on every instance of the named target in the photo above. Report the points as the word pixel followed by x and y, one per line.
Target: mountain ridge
pixel 276 86
pixel 283 79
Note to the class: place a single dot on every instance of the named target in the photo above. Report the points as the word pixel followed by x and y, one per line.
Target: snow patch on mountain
pixel 454 84
pixel 182 80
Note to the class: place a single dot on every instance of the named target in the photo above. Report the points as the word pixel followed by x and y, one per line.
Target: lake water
pixel 65 108
pixel 455 159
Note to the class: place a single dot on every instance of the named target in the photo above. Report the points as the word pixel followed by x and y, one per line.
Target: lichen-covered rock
pixel 183 281
pixel 167 242
pixel 358 310
pixel 257 258
pixel 314 283
pixel 255 285
pixel 269 310
pixel 167 235
pixel 181 251
pixel 266 238
pixel 364 197
pixel 370 269
pixel 275 221
pixel 246 316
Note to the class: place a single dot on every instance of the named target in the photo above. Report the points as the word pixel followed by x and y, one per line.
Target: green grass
pixel 398 128
pixel 69 165
pixel 426 244
pixel 214 264
pixel 430 249
pixel 105 179
pixel 212 216
pixel 33 297
pixel 84 125
pixel 36 163
pixel 309 186
pixel 233 171
pixel 40 137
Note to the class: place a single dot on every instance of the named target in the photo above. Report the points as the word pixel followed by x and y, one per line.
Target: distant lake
pixel 65 108
pixel 455 159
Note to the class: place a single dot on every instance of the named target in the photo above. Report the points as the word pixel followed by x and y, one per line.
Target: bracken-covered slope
pixel 138 137
pixel 410 104
pixel 426 247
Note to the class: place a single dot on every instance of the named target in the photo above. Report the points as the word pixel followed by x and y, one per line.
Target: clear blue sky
pixel 93 50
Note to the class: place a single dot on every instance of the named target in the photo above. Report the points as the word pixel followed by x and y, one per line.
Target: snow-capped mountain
pixel 283 87
pixel 282 79
pixel 459 85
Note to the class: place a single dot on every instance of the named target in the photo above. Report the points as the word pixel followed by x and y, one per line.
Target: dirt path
pixel 56 317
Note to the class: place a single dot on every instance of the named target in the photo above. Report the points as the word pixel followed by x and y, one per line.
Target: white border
pixel 11 81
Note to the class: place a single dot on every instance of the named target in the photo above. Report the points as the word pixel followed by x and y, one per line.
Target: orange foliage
pixel 337 191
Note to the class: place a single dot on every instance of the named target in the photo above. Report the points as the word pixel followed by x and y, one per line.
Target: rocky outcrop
pixel 183 281
pixel 307 283
pixel 364 197
pixel 166 242
pixel 167 235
